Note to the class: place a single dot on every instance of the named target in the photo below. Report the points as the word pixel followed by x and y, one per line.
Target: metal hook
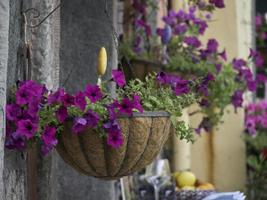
pixel 37 15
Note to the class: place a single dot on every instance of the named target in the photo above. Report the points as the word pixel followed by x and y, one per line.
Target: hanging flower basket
pixel 140 68
pixel 94 132
pixel 144 136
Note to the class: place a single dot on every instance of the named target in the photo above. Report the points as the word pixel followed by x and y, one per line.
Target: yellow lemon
pixel 102 62
pixel 186 179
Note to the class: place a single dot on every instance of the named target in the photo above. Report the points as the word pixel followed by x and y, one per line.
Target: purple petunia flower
pixel 238 63
pixel 112 126
pixel 180 29
pixel 92 118
pixel 137 103
pixel 217 3
pixel 23 95
pixel 79 100
pixel 115 140
pixel 56 97
pixel 218 67
pixel 113 110
pixel 33 108
pixel 93 92
pixel 62 114
pixel 67 100
pixel 212 46
pixel 201 24
pixel 26 128
pixel 181 87
pixel 118 77
pixel 162 77
pixel 15 141
pixel 126 106
pixel 192 41
pixel 49 136
pixel 79 125
pixel 13 112
pixel 223 55
pixel 237 98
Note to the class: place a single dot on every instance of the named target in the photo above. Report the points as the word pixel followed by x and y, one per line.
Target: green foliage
pixel 155 97
pixel 257 166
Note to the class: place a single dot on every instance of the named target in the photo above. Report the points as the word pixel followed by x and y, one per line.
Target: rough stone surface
pixel 14 163
pixel 84 29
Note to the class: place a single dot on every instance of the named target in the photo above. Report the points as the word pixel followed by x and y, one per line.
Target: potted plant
pixel 256 139
pixel 96 133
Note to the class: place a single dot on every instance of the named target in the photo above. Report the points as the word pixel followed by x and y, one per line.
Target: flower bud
pixel 102 62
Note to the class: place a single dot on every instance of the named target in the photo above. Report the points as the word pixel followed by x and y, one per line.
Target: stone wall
pixel 64 53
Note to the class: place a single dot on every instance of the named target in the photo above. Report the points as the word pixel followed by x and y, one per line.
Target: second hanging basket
pixel 144 136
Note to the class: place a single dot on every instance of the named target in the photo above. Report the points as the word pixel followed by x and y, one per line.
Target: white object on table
pixel 226 196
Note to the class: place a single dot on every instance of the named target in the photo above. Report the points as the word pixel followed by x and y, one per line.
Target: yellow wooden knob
pixel 102 62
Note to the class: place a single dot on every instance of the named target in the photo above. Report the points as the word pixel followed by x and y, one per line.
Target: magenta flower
pixel 49 136
pixel 27 128
pixel 217 3
pixel 113 110
pixel 13 112
pixel 56 97
pixel 118 77
pixel 126 106
pixel 137 103
pixel 67 100
pixel 113 129
pixel 33 108
pixel 62 114
pixel 94 93
pixel 162 77
pixel 79 125
pixel 79 100
pixel 192 41
pixel 92 118
pixel 181 87
pixel 112 126
pixel 115 140
pixel 23 96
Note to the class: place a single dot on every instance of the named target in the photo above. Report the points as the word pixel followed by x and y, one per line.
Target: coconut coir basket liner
pixel 144 136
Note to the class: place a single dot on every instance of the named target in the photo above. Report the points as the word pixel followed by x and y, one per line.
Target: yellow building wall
pixel 219 157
